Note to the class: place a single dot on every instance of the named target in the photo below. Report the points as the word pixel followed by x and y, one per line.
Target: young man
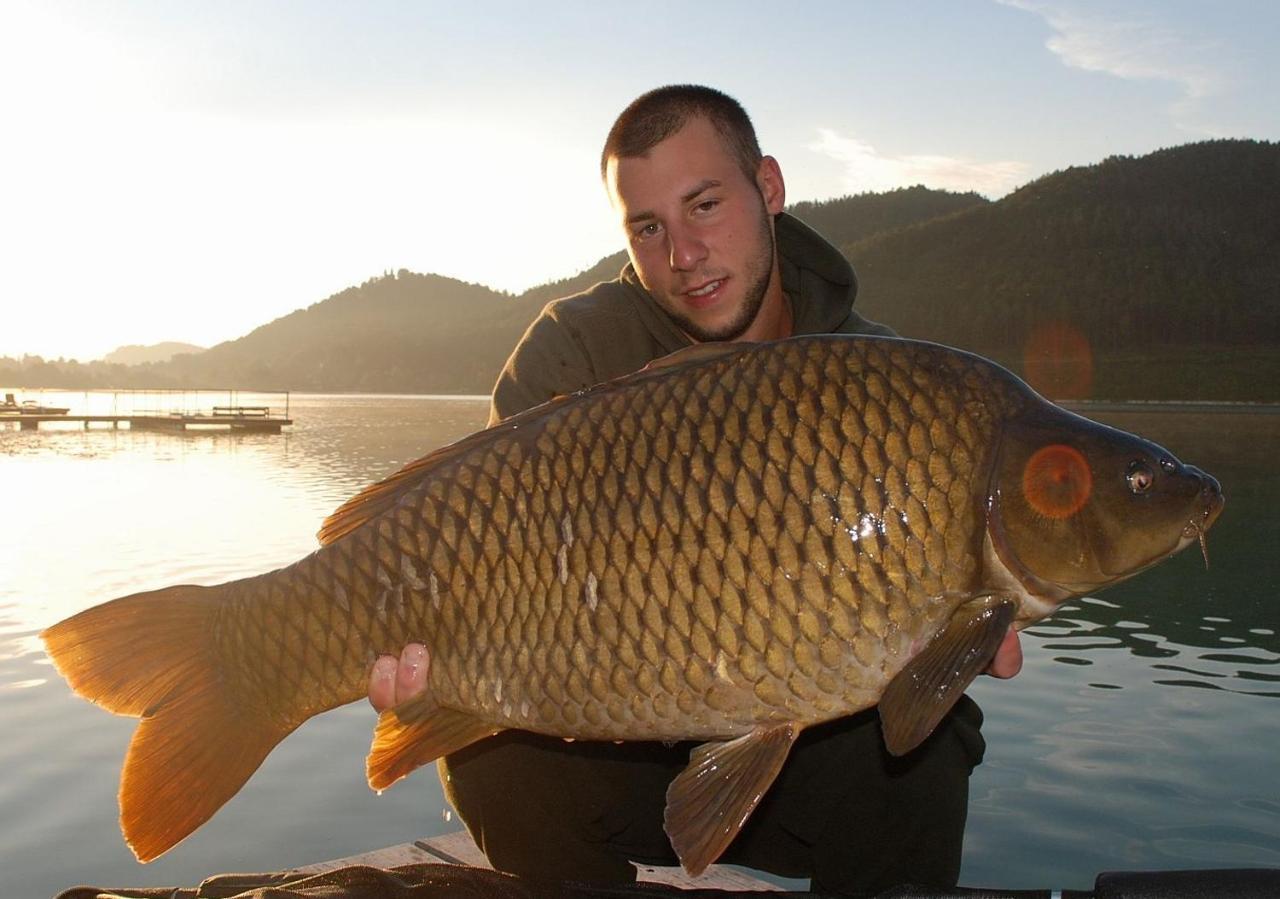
pixel 713 257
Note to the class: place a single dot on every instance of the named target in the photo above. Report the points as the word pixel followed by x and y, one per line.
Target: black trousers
pixel 843 812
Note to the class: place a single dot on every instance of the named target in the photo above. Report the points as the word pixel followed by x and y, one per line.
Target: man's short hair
pixel 653 117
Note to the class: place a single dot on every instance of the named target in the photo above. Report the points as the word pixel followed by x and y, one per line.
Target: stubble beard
pixel 756 276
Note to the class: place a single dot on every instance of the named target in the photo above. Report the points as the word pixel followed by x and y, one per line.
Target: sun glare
pixel 144 215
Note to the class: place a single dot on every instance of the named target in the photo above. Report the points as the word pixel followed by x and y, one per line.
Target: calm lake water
pixel 1142 733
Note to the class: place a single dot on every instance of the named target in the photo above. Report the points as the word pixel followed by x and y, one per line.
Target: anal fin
pixel 711 799
pixel 417 732
pixel 926 689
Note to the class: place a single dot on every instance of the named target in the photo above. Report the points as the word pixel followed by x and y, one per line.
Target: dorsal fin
pixel 698 352
pixel 377 498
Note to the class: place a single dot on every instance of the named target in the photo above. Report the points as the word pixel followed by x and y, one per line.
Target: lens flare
pixel 1056 481
pixel 1057 361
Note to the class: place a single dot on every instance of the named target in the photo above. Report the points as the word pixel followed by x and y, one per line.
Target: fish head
pixel 1075 505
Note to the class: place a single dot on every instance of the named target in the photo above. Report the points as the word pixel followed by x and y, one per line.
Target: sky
pixel 182 170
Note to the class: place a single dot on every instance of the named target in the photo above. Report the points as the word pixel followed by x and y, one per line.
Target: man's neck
pixel 774 321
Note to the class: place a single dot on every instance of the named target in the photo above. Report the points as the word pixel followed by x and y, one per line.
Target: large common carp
pixel 734 544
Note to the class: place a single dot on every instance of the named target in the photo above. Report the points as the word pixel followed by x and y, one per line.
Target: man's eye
pixel 707 205
pixel 647 230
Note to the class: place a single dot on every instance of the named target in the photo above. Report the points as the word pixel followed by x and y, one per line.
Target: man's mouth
pixel 705 290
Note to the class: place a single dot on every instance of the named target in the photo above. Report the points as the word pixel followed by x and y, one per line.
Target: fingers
pixel 411 675
pixel 392 680
pixel 382 683
pixel 1008 659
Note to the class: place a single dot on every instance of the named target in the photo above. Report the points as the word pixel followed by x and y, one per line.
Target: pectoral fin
pixel 926 689
pixel 417 732
pixel 710 800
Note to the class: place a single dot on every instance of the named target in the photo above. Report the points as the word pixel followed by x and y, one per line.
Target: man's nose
pixel 687 250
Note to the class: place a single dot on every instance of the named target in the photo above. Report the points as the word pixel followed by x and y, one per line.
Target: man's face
pixel 700 232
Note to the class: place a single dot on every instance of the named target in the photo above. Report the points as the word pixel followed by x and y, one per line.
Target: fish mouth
pixel 1211 495
pixel 1211 502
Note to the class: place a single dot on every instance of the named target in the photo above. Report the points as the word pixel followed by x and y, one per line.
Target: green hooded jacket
pixel 616 328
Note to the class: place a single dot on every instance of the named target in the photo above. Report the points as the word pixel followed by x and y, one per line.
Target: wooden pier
pixel 176 421
pixel 167 410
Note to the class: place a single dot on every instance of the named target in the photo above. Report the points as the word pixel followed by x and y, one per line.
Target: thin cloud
pixel 865 169
pixel 1132 49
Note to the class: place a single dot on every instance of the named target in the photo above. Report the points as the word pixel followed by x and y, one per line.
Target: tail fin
pixel 150 656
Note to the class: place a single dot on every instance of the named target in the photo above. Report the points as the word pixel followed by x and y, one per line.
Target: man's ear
pixel 772 188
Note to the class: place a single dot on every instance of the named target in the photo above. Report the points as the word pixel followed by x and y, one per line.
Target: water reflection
pixel 352 441
pixel 1081 630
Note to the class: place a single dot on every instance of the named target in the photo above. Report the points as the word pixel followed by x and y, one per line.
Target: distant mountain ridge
pixel 136 354
pixel 398 333
pixel 1149 277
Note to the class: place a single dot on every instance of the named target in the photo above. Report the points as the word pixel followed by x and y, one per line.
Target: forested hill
pixel 848 220
pixel 1167 267
pixel 1151 277
pixel 399 333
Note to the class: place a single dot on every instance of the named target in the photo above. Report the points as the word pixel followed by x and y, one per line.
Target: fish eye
pixel 1141 477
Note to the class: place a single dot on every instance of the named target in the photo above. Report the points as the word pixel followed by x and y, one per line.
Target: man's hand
pixel 393 681
pixel 1008 658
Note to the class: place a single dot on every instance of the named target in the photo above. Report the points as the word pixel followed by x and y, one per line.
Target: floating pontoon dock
pixel 171 410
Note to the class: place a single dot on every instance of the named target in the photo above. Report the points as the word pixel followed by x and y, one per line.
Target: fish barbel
pixel 738 542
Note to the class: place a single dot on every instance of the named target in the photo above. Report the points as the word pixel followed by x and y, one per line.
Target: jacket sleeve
pixel 549 361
